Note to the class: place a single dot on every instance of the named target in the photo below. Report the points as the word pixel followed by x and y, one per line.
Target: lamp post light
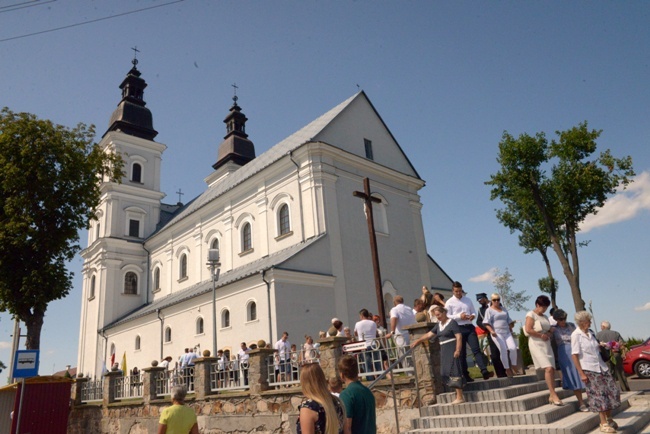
pixel 214 264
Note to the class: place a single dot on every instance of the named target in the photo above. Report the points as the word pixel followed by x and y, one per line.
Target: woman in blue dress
pixel 570 376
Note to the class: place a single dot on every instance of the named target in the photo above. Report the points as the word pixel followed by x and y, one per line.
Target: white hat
pixel 334 320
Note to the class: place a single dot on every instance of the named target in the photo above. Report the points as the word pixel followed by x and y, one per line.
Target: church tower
pixel 236 149
pixel 116 269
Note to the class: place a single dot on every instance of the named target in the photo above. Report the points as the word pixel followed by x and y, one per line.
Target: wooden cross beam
pixel 369 200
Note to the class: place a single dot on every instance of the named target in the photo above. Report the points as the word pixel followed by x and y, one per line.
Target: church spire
pixel 236 146
pixel 131 116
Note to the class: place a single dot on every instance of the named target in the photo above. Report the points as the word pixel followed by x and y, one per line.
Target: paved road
pixel 637 383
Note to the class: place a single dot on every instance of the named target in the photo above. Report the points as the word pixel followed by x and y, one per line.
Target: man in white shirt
pixel 366 329
pixel 243 356
pixel 400 317
pixel 461 309
pixel 283 347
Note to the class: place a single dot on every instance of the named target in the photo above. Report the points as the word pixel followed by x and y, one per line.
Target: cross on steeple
pixel 179 193
pixel 235 87
pixel 135 55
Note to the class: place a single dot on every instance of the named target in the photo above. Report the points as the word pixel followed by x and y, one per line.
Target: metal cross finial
pixel 135 55
pixel 235 87
pixel 179 193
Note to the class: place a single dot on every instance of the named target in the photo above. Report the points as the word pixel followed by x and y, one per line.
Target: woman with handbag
pixel 449 334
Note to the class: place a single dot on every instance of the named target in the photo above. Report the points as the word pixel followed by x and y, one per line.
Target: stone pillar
pixel 426 358
pixel 202 368
pixel 109 386
pixel 258 370
pixel 76 389
pixel 331 350
pixel 149 377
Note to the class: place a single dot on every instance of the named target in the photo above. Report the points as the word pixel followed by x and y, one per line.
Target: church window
pixel 134 228
pixel 215 244
pixel 130 283
pixel 182 274
pixel 137 343
pixel 379 217
pixel 284 225
pixel 246 238
pixel 97 228
pixel 225 318
pixel 199 326
pixel 136 173
pixel 92 288
pixel 168 334
pixel 251 311
pixel 156 279
pixel 368 147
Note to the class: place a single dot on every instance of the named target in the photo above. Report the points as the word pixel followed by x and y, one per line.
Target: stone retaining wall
pixel 259 410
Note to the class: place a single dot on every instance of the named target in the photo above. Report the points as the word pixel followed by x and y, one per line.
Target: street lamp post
pixel 214 264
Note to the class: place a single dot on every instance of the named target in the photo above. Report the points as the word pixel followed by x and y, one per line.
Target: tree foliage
pixel 511 299
pixel 549 189
pixel 48 191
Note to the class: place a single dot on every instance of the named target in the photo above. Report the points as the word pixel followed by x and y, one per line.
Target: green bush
pixel 523 346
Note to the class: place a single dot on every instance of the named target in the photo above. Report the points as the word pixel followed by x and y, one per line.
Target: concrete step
pixel 571 422
pixel 530 402
pixel 504 391
pixel 635 419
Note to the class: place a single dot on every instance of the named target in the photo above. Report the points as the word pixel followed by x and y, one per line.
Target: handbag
pixel 455 382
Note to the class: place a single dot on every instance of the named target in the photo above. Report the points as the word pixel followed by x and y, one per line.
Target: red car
pixel 637 360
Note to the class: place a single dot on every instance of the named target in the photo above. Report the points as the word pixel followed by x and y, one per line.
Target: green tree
pixel 48 191
pixel 549 285
pixel 556 203
pixel 510 298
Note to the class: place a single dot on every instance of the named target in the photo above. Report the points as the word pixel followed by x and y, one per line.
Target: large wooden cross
pixel 368 199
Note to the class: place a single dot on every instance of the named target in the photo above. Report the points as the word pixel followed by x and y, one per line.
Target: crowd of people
pixel 554 343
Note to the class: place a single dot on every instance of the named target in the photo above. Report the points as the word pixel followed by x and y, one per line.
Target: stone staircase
pixel 520 405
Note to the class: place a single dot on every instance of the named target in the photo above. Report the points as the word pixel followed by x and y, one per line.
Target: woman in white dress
pixel 497 321
pixel 538 330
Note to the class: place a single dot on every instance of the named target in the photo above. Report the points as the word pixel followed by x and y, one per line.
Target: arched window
pixel 168 334
pixel 130 283
pixel 251 312
pixel 136 173
pixel 97 229
pixel 225 318
pixel 137 343
pixel 92 288
pixel 284 225
pixel 182 274
pixel 215 244
pixel 199 326
pixel 156 279
pixel 246 237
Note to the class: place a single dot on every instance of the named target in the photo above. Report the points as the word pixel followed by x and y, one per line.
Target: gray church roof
pixel 271 261
pixel 264 160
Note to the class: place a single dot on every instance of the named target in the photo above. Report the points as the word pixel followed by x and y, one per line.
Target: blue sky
pixel 447 77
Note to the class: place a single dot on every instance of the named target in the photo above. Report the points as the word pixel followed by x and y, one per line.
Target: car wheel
pixel 642 368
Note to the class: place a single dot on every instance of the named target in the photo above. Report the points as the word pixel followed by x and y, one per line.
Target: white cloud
pixel 644 307
pixel 488 276
pixel 624 205
pixel 5 345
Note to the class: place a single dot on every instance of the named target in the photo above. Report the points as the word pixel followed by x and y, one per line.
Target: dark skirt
pixel 603 392
pixel 449 366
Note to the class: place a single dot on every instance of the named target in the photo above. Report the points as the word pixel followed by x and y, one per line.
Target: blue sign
pixel 26 363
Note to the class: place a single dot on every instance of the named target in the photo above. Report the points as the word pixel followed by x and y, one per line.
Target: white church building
pixel 293 240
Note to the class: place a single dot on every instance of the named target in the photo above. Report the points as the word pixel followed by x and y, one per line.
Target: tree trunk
pixel 551 278
pixel 34 324
pixel 578 302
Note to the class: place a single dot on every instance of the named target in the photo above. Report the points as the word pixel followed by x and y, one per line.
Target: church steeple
pixel 131 116
pixel 236 146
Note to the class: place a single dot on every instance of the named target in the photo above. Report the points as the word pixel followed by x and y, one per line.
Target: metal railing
pixel 229 375
pixel 165 380
pixel 129 386
pixel 92 390
pixel 391 368
pixel 378 354
pixel 286 372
